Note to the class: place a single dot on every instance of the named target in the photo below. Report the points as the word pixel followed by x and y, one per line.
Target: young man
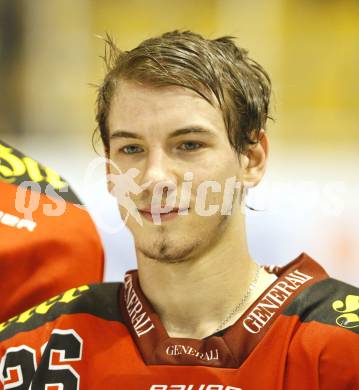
pixel 182 120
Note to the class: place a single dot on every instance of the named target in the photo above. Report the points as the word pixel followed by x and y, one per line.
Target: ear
pixel 253 161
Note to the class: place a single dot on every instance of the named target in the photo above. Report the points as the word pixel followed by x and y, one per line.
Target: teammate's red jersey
pixel 47 244
pixel 301 333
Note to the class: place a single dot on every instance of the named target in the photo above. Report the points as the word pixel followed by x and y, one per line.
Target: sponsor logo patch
pixel 255 321
pixel 14 166
pixel 349 311
pixel 179 349
pixel 140 320
pixel 194 387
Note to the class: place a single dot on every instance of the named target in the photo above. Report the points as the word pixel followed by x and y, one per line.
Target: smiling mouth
pixel 147 214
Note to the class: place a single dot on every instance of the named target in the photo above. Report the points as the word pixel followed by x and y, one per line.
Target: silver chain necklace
pixel 242 302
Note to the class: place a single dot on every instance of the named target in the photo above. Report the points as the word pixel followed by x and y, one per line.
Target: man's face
pixel 165 132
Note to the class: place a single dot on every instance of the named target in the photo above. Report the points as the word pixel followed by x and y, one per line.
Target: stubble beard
pixel 169 250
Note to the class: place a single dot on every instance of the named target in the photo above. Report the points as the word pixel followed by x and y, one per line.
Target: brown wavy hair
pixel 215 69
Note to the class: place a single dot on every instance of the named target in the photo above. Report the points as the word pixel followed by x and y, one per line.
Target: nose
pixel 160 175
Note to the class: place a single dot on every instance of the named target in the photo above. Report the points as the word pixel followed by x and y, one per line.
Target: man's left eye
pixel 190 145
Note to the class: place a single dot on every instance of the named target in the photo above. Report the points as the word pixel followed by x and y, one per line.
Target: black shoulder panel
pixel 15 168
pixel 329 301
pixel 101 300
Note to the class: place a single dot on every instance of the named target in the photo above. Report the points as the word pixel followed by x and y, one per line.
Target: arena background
pixel 50 53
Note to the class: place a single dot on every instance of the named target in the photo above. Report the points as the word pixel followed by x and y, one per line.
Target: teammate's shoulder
pixel 101 300
pixel 329 301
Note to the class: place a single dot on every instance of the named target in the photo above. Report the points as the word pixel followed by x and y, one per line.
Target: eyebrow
pixel 175 133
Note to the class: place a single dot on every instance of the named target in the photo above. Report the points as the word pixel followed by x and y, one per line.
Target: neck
pixel 194 296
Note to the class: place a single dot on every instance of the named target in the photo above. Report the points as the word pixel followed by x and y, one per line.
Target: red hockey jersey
pixel 47 243
pixel 301 333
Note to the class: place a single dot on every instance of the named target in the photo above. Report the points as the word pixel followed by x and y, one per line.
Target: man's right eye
pixel 131 149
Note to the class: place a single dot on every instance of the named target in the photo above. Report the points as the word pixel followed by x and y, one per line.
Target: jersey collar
pixel 229 348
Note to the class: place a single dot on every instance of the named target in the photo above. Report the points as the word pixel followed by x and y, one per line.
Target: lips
pixel 159 211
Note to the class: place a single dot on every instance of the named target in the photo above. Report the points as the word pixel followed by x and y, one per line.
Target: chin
pixel 168 254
